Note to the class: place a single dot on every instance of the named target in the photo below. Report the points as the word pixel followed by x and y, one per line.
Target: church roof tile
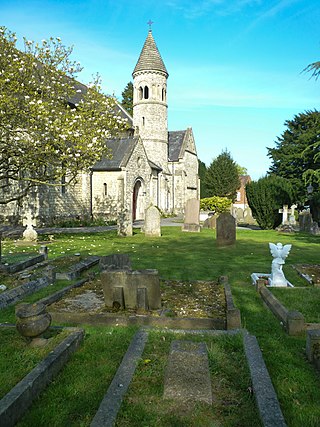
pixel 175 141
pixel 150 58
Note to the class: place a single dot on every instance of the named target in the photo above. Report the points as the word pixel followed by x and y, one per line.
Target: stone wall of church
pixel 185 181
pixel 51 204
pixel 107 193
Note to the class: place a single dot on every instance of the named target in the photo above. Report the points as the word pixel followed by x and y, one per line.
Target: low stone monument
pixel 152 222
pixel 192 216
pixel 137 289
pixel 210 222
pixel 226 229
pixel 305 221
pixel 279 253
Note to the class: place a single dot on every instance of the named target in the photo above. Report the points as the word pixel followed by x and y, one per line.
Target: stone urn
pixel 32 319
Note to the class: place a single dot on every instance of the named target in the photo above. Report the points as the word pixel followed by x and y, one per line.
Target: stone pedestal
pixel 32 319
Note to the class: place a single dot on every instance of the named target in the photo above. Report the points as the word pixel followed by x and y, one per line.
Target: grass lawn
pixel 189 256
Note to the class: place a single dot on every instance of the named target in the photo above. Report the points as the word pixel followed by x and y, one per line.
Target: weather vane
pixel 150 23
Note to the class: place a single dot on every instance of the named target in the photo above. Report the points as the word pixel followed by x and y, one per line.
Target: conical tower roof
pixel 150 58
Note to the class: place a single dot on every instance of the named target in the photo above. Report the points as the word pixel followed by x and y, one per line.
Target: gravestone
pixel 152 222
pixel 187 376
pixel 124 223
pixel 29 233
pixel 226 229
pixel 239 215
pixel 131 289
pixel 305 221
pixel 292 218
pixel 247 216
pixel 285 213
pixel 115 262
pixel 191 216
pixel 210 222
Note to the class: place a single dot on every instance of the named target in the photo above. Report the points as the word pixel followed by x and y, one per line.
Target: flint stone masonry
pixel 11 296
pixel 77 269
pixel 152 222
pixel 132 283
pixel 187 376
pixel 192 216
pixel 14 404
pixel 265 395
pixel 226 229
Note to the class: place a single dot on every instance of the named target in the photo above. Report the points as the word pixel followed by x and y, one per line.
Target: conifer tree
pixel 222 177
pixel 127 98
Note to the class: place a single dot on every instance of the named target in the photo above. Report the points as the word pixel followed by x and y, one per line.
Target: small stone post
pixel 313 347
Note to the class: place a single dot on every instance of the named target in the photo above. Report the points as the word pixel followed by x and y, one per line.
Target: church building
pixel 148 165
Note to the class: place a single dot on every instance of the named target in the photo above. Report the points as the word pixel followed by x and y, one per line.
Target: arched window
pixel 146 92
pixel 163 94
pixel 140 92
pixel 105 189
pixel 143 121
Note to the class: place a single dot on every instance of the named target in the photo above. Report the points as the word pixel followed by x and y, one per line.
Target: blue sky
pixel 234 65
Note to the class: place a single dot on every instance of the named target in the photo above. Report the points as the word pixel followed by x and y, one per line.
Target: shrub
pixel 216 204
pixel 266 196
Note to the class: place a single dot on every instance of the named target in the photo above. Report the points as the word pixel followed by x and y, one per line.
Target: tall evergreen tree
pixel 222 177
pixel 266 196
pixel 127 98
pixel 202 174
pixel 296 156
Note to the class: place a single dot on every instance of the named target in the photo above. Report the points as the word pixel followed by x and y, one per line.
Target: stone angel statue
pixel 279 253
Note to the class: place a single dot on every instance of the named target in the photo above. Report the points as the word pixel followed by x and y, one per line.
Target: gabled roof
pixel 175 142
pixel 179 142
pixel 150 58
pixel 118 109
pixel 120 150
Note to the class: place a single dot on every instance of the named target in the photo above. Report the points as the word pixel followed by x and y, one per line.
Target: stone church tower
pixel 150 116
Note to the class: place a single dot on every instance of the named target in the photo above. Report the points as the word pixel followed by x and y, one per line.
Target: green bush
pixel 266 196
pixel 216 204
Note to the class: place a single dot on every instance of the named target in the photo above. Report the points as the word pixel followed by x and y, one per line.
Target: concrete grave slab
pixel 187 376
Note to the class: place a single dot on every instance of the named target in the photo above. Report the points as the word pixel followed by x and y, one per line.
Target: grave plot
pixel 180 300
pixel 190 380
pixel 310 272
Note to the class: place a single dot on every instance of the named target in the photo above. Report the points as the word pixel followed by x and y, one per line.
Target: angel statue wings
pixel 279 253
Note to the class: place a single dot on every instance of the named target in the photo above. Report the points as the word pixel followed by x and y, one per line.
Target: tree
pixel 127 98
pixel 266 196
pixel 202 173
pixel 314 67
pixel 51 126
pixel 296 156
pixel 222 177
pixel 242 170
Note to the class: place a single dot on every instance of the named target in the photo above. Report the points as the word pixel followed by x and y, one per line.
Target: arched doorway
pixel 138 200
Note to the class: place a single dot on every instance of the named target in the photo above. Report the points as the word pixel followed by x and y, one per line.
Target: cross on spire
pixel 150 23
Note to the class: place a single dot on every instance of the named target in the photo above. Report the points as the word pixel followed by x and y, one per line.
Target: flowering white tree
pixel 51 126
